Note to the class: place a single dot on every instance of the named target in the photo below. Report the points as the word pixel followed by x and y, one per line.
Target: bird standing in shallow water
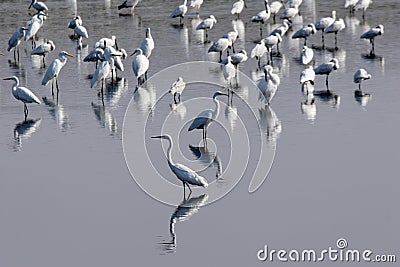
pixel 23 94
pixel 177 88
pixel 140 65
pixel 268 85
pixel 206 25
pixel 361 75
pixel 371 34
pixel 15 41
pixel 43 50
pixel 306 55
pixel 237 7
pixel 147 45
pixel 305 32
pixel 336 27
pixel 326 69
pixel 39 6
pixel 180 12
pixel 324 23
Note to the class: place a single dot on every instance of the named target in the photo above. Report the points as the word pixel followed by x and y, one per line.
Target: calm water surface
pixel 67 197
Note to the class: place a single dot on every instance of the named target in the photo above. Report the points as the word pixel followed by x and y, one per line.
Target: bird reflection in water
pixel 58 113
pixel 23 130
pixel 270 124
pixel 308 107
pixel 179 109
pixel 114 90
pixel 145 97
pixel 208 158
pixel 183 212
pixel 105 118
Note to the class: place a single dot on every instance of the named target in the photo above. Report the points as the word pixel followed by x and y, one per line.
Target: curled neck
pixel 216 110
pixel 169 157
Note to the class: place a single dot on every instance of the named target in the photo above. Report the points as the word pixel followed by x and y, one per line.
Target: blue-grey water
pixel 68 198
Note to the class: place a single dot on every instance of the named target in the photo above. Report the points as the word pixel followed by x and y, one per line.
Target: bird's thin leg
pixel 179 96
pixel 305 41
pixel 326 82
pixel 102 91
pixel 44 64
pixel 336 41
pixel 323 39
pixel 274 18
pixel 206 35
pixel 363 16
pixel 220 56
pixel 233 47
pixel 373 46
pixel 270 57
pixel 57 85
pixel 261 30
pixel 259 62
pixel 277 49
pixel 26 111
pixel 52 88
pixel 14 56
pixel 189 189
pixel 145 75
pixel 359 86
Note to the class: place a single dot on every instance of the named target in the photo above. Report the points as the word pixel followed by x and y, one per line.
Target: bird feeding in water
pixel 326 69
pixel 23 94
pixel 371 34
pixel 359 76
pixel 203 120
pixel 177 88
pixel 186 175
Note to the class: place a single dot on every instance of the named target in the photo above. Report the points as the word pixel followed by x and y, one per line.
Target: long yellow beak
pixel 68 54
pixel 1 54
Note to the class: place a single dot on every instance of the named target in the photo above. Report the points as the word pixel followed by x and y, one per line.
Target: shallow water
pixel 67 197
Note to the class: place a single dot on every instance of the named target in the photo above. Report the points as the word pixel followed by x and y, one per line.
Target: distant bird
pixel 362 4
pixel 335 27
pixel 180 12
pixel 350 5
pixel 140 66
pixel 95 55
pixel 33 26
pixel 324 23
pixel 75 22
pixel 196 4
pixel 23 94
pixel 371 34
pixel 290 13
pixel 281 29
pixel 220 46
pixel 232 36
pixel 130 4
pixel 116 62
pixel 54 70
pixel 15 41
pixel 203 120
pixel 294 3
pixel 237 58
pixel 229 71
pixel 186 175
pixel 326 69
pixel 177 88
pixel 307 78
pixel 270 42
pixel 104 42
pixel 305 32
pixel 262 16
pixel 268 85
pixel 258 51
pixel 237 7
pixel 43 50
pixel 306 55
pixel 207 24
pixel 147 45
pixel 275 6
pixel 39 6
pixel 361 75
pixel 81 32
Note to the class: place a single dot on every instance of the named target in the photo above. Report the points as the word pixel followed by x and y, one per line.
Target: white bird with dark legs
pixel 371 34
pixel 96 55
pixel 229 72
pixel 306 55
pixel 54 70
pixel 39 6
pixel 305 32
pixel 129 4
pixel 350 5
pixel 220 46
pixel 81 32
pixel 290 13
pixel 268 85
pixel 336 27
pixel 363 5
pixel 23 94
pixel 359 76
pixel 324 23
pixel 232 36
pixel 33 26
pixel 140 66
pixel 307 78
pixel 275 6
pixel 206 25
pixel 147 45
pixel 203 120
pixel 75 22
pixel 237 58
pixel 262 16
pixel 104 42
pixel 281 29
pixel 177 88
pixel 258 52
pixel 180 11
pixel 196 4
pixel 270 42
pixel 43 50
pixel 326 69
pixel 15 41
pixel 186 175
pixel 237 7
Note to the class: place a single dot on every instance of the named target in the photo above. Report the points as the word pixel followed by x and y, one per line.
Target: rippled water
pixel 67 197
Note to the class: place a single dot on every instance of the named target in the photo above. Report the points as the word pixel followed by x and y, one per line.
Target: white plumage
pixel 177 88
pixel 305 32
pixel 54 69
pixel 44 49
pixel 361 75
pixel 34 25
pixel 229 71
pixel 39 6
pixel 306 55
pixel 258 51
pixel 180 12
pixel 281 29
pixel 104 42
pixel 336 27
pixel 196 4
pixel 275 6
pixel 207 24
pixel 140 65
pixel 326 69
pixel 147 45
pixel 371 34
pixel 268 85
pixel 307 78
pixel 237 7
pixel 15 40
pixel 220 46
pixel 363 5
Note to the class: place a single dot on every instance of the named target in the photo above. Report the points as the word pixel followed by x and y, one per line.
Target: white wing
pixel 201 120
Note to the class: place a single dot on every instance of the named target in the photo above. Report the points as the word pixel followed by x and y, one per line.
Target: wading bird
pixel 350 5
pixel 262 16
pixel 270 42
pixel 196 4
pixel 177 88
pixel 15 41
pixel 186 175
pixel 275 7
pixel 147 45
pixel 237 7
pixel 307 78
pixel 81 32
pixel 336 27
pixel 180 11
pixel 324 23
pixel 229 72
pixel 258 51
pixel 140 65
pixel 206 25
pixel 306 55
pixel 305 32
pixel 268 84
pixel 39 6
pixel 326 69
pixel 43 50
pixel 232 36
pixel 220 46
pixel 23 94
pixel 371 34
pixel 362 4
pixel 104 42
pixel 361 75
pixel 203 120
pixel 33 25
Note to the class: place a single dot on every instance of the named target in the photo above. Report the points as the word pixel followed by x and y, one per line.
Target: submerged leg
pixel 326 82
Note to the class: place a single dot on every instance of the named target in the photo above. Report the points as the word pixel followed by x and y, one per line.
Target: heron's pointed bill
pixel 70 55
pixel 245 5
pixel 1 54
pixel 8 78
pixel 157 136
pixel 133 53
pixel 30 5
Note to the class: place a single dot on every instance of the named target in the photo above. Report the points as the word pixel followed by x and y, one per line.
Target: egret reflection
pixel 179 109
pixel 58 113
pixel 308 107
pixel 270 124
pixel 105 118
pixel 183 212
pixel 145 97
pixel 23 131
pixel 208 158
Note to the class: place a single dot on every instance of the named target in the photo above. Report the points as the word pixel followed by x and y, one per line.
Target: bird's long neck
pixel 63 59
pixel 274 77
pixel 216 110
pixel 15 85
pixel 169 156
pixel 185 2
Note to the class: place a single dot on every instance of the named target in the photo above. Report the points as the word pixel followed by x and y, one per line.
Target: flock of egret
pixel 108 57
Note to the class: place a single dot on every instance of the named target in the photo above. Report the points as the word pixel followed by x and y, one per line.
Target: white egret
pixel 180 11
pixel 281 29
pixel 104 42
pixel 275 6
pixel 361 75
pixel 270 42
pixel 258 51
pixel 362 4
pixel 75 22
pixel 54 70
pixel 324 23
pixel 350 5
pixel 196 4
pixel 23 94
pixel 116 63
pixel 371 34
pixel 43 50
pixel 177 88
pixel 232 36
pixel 237 7
pixel 307 78
pixel 326 69
pixel 15 41
pixel 203 120
pixel 147 45
pixel 39 6
pixel 207 24
pixel 229 71
pixel 305 32
pixel 102 72
pixel 336 27
pixel 306 55
pixel 140 66
pixel 268 85
pixel 262 16
pixel 33 26
pixel 220 46
pixel 186 175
